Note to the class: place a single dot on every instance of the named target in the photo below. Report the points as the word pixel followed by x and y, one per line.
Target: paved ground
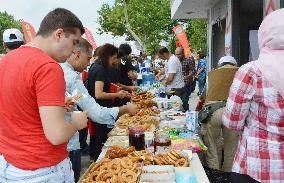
pixel 85 159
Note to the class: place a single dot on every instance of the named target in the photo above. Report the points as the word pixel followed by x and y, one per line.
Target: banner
pixel 180 33
pixel 90 38
pixel 28 30
pixel 228 31
pixel 270 6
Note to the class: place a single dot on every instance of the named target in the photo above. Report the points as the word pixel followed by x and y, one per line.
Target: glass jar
pixel 162 142
pixel 137 138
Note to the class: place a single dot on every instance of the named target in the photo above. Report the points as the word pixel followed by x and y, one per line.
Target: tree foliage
pixel 6 22
pixel 197 34
pixel 149 19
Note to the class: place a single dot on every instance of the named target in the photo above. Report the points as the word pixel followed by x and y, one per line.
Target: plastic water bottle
pixel 148 63
pixel 192 121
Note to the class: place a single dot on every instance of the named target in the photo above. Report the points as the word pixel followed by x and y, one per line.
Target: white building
pixel 232 24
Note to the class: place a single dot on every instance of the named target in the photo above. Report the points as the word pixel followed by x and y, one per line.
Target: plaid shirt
pixel 257 109
pixel 188 66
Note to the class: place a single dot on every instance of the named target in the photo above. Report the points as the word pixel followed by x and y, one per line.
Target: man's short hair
pixel 181 48
pixel 125 49
pixel 60 18
pixel 163 50
pixel 83 45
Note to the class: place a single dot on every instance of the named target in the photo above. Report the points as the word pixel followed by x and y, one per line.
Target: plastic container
pixel 162 142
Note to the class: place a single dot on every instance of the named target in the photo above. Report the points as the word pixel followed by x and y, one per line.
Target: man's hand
pixel 79 119
pixel 131 109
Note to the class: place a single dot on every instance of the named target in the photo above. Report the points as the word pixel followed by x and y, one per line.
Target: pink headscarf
pixel 271 45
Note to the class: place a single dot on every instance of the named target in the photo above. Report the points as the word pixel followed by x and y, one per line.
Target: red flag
pixel 90 38
pixel 28 30
pixel 180 33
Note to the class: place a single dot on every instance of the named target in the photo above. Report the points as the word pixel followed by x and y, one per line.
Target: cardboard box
pixel 219 83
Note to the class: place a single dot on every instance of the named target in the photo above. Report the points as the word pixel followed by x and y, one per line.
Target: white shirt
pixel 96 112
pixel 173 66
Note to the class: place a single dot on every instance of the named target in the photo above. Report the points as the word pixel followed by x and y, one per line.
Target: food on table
pixel 121 141
pixel 144 100
pixel 118 170
pixel 117 152
pixel 116 131
pixel 142 96
pixel 126 121
pixel 172 158
pixel 148 111
pixel 144 157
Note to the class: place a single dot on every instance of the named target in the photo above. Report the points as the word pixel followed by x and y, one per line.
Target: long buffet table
pixel 195 166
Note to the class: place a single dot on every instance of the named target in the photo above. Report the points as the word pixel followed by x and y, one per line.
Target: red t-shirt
pixel 29 78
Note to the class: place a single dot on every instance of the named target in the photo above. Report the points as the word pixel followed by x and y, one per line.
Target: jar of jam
pixel 137 138
pixel 162 142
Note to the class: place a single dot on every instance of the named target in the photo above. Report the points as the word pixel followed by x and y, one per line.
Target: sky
pixel 33 12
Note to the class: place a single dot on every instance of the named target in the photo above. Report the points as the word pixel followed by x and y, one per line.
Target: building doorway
pixel 218 42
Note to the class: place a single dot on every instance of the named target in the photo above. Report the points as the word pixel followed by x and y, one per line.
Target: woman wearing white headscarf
pixel 256 108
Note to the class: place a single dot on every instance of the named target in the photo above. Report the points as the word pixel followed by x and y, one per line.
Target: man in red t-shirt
pixel 33 130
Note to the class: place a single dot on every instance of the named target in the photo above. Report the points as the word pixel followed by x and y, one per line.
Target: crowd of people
pixel 44 129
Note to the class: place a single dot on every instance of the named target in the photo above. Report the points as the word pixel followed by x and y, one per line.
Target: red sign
pixel 28 30
pixel 180 33
pixel 90 38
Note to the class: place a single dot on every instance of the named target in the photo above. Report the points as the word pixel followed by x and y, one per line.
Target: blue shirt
pixel 96 112
pixel 202 64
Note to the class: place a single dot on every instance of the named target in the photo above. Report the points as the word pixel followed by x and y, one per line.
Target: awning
pixel 187 9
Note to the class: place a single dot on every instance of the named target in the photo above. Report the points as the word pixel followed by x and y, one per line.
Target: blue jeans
pixel 75 158
pixel 185 96
pixel 60 173
pixel 201 85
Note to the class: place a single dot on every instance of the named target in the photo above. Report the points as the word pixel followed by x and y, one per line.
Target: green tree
pixel 197 33
pixel 149 19
pixel 7 21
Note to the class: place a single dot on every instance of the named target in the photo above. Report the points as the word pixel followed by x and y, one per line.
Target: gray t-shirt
pixel 173 65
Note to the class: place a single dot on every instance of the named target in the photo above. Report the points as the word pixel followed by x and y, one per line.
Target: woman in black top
pixel 125 73
pixel 98 85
